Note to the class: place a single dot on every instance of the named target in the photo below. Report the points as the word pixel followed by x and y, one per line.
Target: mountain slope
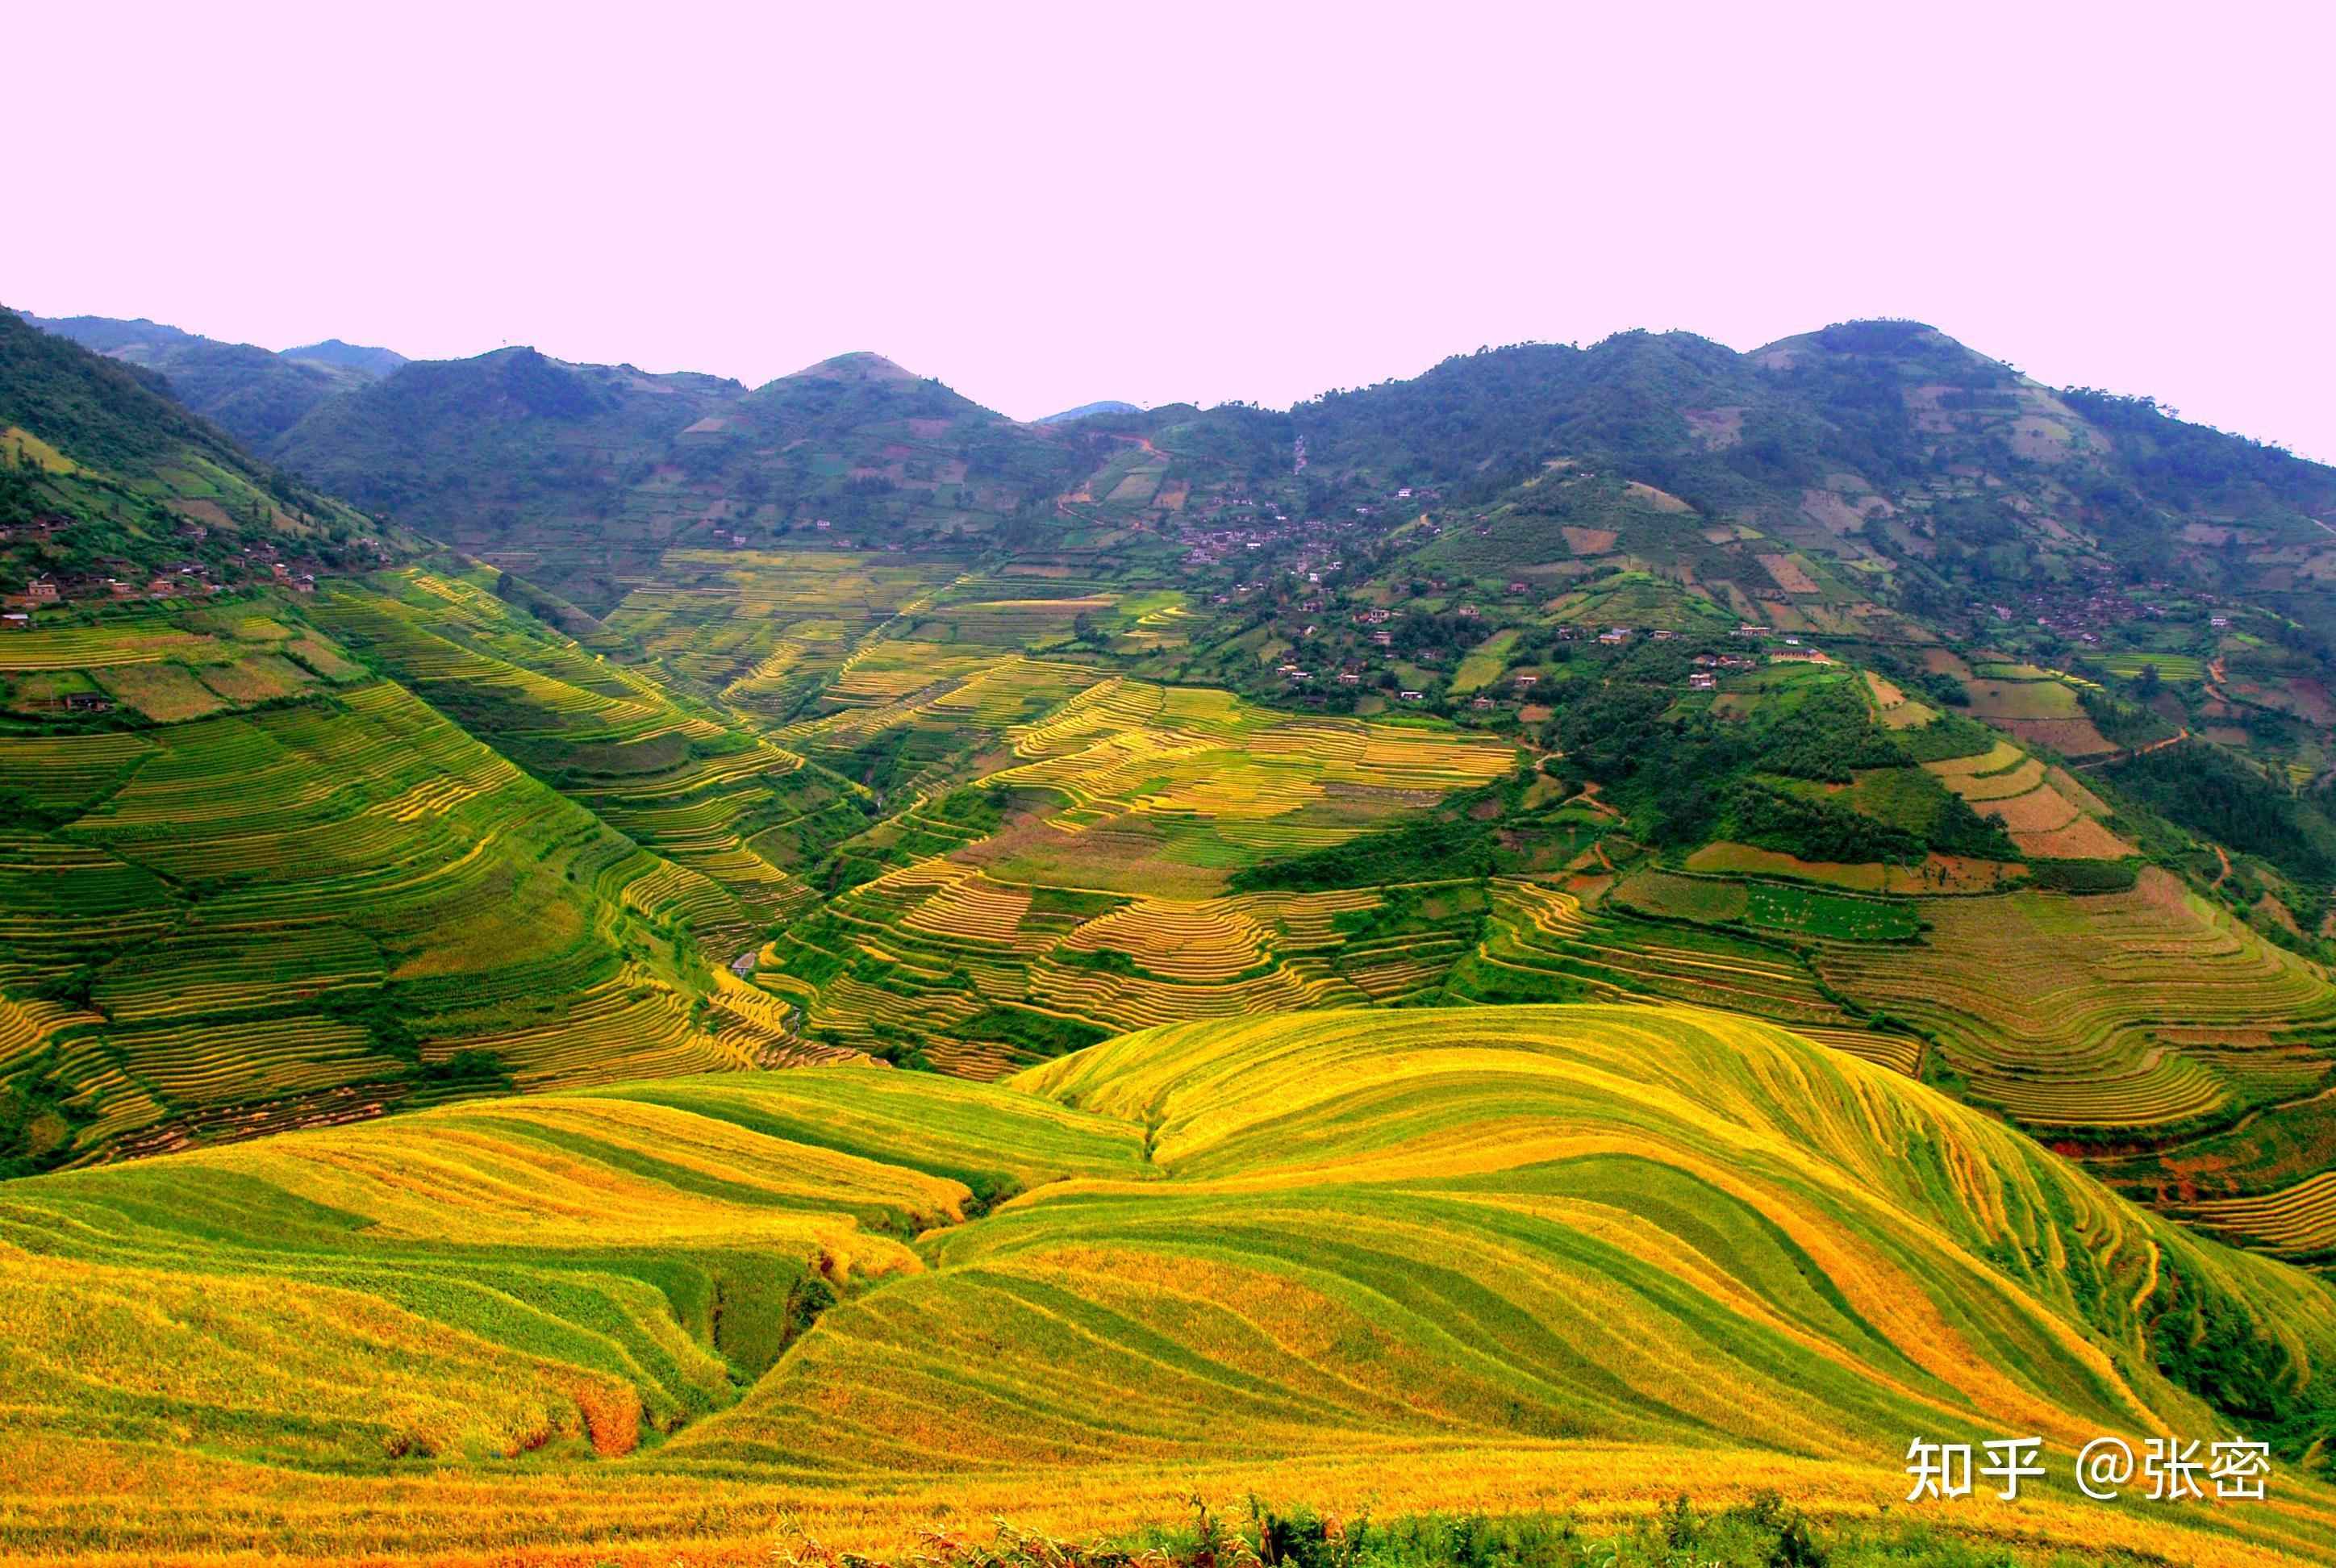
pixel 102 471
pixel 579 475
pixel 254 395
pixel 369 364
pixel 1088 411
pixel 1403 1258
pixel 297 894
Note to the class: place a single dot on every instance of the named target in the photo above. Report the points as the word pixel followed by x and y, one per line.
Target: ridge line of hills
pixel 1303 940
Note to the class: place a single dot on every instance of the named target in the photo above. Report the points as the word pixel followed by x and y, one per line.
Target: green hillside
pixel 579 476
pixel 110 487
pixel 1600 926
pixel 252 393
pixel 1395 1256
pixel 317 904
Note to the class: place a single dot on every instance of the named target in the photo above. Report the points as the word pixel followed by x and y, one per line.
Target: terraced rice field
pixel 682 780
pixel 1402 1259
pixel 321 903
pixel 1542 942
pixel 2141 1011
pixel 713 620
pixel 924 950
pixel 959 697
pixel 2298 1220
pixel 2045 813
pixel 88 647
pixel 2038 708
pixel 1105 909
pixel 1256 781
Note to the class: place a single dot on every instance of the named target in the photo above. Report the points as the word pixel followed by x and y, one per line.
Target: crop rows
pixel 1541 942
pixel 85 647
pixel 712 617
pixel 922 948
pixel 2061 1011
pixel 1202 755
pixel 2045 814
pixel 1359 1255
pixel 2300 1219
pixel 227 877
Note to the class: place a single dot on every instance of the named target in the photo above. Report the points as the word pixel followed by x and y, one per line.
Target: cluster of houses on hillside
pixel 188 579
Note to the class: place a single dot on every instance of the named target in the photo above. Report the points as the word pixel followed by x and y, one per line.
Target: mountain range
pixel 592 960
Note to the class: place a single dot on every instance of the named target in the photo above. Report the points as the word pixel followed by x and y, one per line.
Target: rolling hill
pixel 1816 860
pixel 1405 1257
pixel 579 476
pixel 253 393
pixel 110 487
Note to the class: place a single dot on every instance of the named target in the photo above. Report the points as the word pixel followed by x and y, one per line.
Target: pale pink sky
pixel 1045 205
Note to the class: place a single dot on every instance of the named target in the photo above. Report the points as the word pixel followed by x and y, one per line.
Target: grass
pixel 2138 1011
pixel 1829 915
pixel 2175 667
pixel 1393 1261
pixel 1484 662
pixel 317 908
pixel 679 778
pixel 1084 878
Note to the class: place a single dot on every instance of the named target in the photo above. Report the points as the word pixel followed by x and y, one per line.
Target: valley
pixel 591 963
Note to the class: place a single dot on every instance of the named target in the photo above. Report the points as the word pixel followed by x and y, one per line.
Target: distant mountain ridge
pixel 252 392
pixel 104 474
pixel 1844 441
pixel 370 362
pixel 1088 410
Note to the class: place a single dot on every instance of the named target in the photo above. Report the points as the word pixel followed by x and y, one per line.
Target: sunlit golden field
pixel 1485 1258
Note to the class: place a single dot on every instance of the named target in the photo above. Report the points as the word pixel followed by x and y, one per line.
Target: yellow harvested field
pixel 1185 941
pixel 1893 707
pixel 83 647
pixel 2083 838
pixel 1988 786
pixel 1589 541
pixel 1996 759
pixel 1401 1261
pixel 1170 750
pixel 165 693
pixel 969 907
pixel 1788 573
pixel 1733 857
pixel 2064 1012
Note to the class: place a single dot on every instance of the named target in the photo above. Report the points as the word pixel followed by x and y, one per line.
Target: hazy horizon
pixel 1068 206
